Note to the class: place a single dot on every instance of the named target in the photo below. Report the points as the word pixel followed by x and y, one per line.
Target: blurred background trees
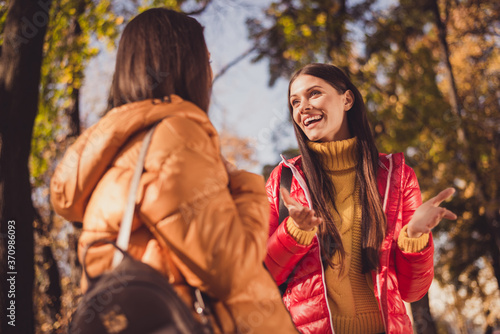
pixel 429 72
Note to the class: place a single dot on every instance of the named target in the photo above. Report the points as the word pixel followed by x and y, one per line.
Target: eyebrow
pixel 307 90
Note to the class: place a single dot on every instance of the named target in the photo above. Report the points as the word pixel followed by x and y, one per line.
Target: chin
pixel 316 139
pixel 312 138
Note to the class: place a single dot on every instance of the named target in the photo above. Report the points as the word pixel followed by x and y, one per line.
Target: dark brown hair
pixel 373 224
pixel 161 52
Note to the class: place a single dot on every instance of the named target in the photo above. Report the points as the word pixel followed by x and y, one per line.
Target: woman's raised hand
pixel 429 214
pixel 303 217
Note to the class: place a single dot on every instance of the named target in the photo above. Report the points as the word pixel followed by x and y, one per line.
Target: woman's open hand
pixel 429 214
pixel 303 217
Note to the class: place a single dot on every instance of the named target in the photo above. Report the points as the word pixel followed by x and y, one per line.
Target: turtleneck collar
pixel 336 155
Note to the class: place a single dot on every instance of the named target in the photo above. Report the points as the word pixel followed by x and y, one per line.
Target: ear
pixel 348 100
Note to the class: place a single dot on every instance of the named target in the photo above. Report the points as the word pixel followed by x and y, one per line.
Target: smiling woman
pixel 319 109
pixel 357 240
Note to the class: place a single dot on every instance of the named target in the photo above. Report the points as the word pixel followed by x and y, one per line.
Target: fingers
pixel 295 209
pixel 300 213
pixel 443 195
pixel 426 218
pixel 303 217
pixel 316 221
pixel 449 215
pixel 306 220
pixel 287 199
pixel 438 215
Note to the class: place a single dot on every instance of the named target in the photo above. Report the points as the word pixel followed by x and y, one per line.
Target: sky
pixel 242 101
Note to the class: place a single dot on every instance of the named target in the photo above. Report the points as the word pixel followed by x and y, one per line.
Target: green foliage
pixel 74 28
pixel 77 30
pixel 3 17
pixel 302 32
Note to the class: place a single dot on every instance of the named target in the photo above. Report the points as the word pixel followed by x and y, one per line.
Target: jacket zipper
pixel 379 289
pixel 303 185
pixel 299 179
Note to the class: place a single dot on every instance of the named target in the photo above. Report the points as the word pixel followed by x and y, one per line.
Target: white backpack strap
pixel 128 215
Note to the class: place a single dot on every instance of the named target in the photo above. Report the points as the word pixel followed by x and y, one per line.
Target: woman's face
pixel 319 110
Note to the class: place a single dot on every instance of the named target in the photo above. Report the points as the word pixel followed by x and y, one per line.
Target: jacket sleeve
pixel 415 271
pixel 283 251
pixel 215 227
pixel 69 192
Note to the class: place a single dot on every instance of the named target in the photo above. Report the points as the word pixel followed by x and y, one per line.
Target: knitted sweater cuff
pixel 302 237
pixel 412 245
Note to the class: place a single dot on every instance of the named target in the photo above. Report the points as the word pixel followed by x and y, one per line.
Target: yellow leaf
pixel 306 31
pixel 469 191
pixel 321 19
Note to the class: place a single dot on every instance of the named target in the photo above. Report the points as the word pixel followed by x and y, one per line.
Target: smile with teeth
pixel 312 119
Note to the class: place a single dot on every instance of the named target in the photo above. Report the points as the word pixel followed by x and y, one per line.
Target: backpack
pixel 133 298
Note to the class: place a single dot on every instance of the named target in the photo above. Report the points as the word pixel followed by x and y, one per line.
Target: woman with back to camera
pixel 200 222
pixel 357 241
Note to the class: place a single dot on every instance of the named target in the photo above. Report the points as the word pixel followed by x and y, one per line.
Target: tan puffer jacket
pixel 194 223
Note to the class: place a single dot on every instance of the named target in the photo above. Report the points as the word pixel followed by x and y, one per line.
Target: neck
pixel 336 155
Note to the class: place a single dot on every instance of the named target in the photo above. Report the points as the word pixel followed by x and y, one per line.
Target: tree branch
pixel 201 9
pixel 234 62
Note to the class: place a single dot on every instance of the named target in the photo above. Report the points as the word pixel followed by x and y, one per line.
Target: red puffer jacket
pixel 401 275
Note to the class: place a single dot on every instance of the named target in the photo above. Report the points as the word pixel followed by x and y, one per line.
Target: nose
pixel 304 106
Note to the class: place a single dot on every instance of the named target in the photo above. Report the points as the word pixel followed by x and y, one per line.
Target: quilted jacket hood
pixel 77 177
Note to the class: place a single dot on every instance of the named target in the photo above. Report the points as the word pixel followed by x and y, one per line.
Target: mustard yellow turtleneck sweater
pixel 352 303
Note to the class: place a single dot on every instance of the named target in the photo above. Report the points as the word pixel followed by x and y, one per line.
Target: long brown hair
pixel 161 52
pixel 373 224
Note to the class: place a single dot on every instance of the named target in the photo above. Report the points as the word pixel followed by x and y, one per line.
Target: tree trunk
pixel 335 34
pixel 462 136
pixel 49 298
pixel 445 56
pixel 423 323
pixel 20 64
pixel 73 111
pixel 53 291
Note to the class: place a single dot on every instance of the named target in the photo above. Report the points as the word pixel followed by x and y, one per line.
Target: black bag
pixel 133 297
